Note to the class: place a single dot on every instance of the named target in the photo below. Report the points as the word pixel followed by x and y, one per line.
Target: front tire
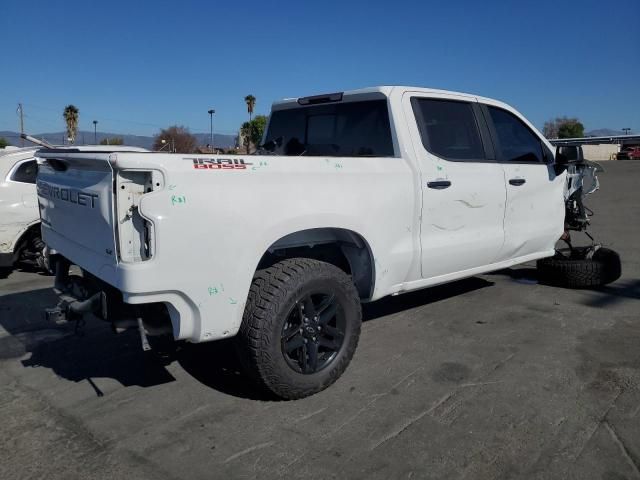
pixel 300 327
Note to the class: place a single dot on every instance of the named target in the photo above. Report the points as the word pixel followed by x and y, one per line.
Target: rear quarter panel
pixel 214 225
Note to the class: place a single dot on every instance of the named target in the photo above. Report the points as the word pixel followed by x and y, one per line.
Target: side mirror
pixel 567 154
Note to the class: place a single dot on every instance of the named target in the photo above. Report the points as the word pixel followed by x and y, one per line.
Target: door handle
pixel 439 184
pixel 517 181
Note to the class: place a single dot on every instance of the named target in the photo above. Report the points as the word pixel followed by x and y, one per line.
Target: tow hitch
pixel 76 298
pixel 84 295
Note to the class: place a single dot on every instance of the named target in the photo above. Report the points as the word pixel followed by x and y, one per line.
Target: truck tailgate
pixel 75 195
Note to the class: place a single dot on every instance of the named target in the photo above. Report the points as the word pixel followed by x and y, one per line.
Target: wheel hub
pixel 313 333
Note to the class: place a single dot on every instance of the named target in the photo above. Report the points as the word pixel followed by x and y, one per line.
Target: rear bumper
pixel 80 296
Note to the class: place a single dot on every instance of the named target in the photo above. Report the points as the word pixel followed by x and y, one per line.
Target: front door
pixel 463 190
pixel 534 215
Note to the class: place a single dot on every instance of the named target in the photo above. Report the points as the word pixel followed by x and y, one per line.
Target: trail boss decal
pixel 218 163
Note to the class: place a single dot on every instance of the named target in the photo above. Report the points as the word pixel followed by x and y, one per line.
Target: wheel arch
pixel 344 248
pixel 26 231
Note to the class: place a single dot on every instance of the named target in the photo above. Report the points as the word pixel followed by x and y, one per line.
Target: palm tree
pixel 250 100
pixel 71 119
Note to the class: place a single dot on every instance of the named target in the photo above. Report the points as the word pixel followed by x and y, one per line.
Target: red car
pixel 629 153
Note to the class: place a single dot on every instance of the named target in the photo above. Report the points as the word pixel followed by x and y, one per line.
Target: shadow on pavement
pixel 96 353
pixel 407 301
pixel 616 293
pixel 99 353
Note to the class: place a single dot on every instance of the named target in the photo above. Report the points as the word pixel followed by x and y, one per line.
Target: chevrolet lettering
pixel 70 195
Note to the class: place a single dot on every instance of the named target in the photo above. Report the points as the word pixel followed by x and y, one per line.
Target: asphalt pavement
pixel 496 376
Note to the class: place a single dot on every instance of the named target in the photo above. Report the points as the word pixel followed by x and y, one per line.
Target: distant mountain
pixel 604 132
pixel 86 138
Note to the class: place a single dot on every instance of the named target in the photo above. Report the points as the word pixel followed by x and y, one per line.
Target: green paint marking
pixel 171 187
pixel 232 301
pixel 213 291
pixel 178 199
pixel 439 167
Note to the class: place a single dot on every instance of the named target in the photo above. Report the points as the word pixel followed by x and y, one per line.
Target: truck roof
pixel 373 93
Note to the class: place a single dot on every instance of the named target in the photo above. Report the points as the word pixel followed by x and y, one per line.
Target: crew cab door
pixel 463 190
pixel 534 215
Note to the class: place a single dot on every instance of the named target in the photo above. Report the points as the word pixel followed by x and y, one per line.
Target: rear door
pixel 463 191
pixel 534 215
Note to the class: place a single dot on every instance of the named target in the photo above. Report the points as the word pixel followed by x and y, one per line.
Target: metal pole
pixel 95 132
pixel 211 112
pixel 21 125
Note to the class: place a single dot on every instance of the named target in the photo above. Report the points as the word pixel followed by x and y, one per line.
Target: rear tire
pixel 560 270
pixel 300 327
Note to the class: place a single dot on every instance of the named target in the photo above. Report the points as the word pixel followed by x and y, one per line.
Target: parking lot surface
pixel 496 376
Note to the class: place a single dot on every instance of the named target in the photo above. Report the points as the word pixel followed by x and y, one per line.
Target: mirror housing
pixel 567 155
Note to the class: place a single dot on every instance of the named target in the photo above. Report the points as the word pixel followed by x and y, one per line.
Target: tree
pixel 571 129
pixel 71 114
pixel 250 100
pixel 252 131
pixel 112 141
pixel 3 142
pixel 177 139
pixel 563 127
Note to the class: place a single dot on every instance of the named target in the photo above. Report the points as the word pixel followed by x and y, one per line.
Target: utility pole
pixel 21 124
pixel 95 134
pixel 211 112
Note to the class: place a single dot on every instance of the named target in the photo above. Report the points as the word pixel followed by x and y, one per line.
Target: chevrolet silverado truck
pixel 353 196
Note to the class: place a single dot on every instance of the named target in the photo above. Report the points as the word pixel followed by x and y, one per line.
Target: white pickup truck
pixel 353 196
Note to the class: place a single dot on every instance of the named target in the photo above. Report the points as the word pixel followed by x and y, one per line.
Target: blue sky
pixel 137 66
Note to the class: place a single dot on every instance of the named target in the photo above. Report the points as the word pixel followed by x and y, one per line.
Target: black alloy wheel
pixel 313 333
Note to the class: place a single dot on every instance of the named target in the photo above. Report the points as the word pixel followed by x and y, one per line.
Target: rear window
pixel 448 128
pixel 353 129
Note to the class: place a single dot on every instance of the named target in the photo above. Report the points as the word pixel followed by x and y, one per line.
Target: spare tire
pixel 574 269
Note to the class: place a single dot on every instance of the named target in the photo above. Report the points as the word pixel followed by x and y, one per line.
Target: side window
pixel 516 141
pixel 26 172
pixel 448 128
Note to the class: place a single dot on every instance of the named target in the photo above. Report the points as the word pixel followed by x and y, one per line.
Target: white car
pixel 352 197
pixel 19 216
